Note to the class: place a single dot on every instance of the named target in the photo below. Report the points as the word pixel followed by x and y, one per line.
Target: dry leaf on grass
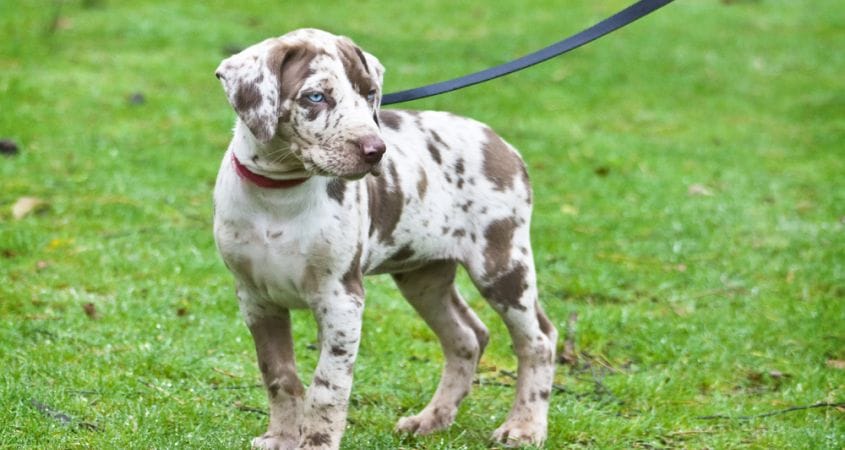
pixel 836 364
pixel 569 356
pixel 699 189
pixel 90 310
pixel 8 147
pixel 26 206
pixel 569 210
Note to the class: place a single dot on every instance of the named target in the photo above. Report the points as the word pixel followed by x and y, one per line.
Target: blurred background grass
pixel 690 207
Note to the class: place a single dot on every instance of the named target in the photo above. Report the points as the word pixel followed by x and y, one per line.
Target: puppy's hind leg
pixel 432 293
pixel 507 280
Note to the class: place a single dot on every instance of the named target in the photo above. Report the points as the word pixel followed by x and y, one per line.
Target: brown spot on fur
pixel 318 439
pixel 403 253
pixel 362 58
pixel 527 182
pixel 544 395
pixel 501 164
pixel 273 389
pixel 320 381
pixel 497 252
pixel 435 153
pixel 464 353
pixel 459 233
pixel 545 324
pixel 459 166
pixel 336 189
pixel 437 138
pixel 338 351
pixel 390 119
pixel 508 288
pixel 355 67
pixel 247 97
pixel 294 387
pixel 385 205
pixel 290 63
pixel 422 184
pixel 352 279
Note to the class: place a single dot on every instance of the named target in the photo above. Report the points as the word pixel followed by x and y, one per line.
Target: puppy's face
pixel 310 98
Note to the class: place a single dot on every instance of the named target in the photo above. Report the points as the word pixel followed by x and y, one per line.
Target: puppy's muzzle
pixel 371 148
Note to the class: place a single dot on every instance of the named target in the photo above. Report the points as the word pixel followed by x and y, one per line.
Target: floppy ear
pixel 252 81
pixel 375 64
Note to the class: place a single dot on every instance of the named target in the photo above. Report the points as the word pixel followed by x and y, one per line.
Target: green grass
pixel 688 305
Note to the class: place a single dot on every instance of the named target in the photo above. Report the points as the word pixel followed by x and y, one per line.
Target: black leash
pixel 630 14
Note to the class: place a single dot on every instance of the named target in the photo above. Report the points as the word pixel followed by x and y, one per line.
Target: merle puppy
pixel 319 188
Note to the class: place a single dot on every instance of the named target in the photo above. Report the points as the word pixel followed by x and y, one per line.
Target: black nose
pixel 372 148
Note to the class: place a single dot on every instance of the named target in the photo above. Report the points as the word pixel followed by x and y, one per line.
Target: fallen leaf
pixel 804 206
pixel 569 210
pixel 790 276
pixel 26 206
pixel 225 372
pixel 754 377
pixel 8 147
pixel 137 98
pixel 836 364
pixel 55 414
pixel 58 243
pixel 62 23
pixel 699 189
pixel 90 310
pixel 569 356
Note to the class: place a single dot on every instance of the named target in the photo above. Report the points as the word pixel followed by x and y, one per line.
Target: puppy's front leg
pixel 274 346
pixel 326 401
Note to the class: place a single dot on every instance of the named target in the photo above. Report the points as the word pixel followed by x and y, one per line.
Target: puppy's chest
pixel 271 257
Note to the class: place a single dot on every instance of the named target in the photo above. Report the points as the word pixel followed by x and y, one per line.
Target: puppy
pixel 319 187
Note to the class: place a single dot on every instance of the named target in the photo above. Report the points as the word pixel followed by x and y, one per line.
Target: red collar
pixel 261 180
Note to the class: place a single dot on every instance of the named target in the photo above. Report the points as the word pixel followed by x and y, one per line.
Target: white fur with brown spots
pixel 414 194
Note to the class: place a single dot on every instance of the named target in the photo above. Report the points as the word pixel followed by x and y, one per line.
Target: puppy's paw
pixel 515 433
pixel 427 421
pixel 274 442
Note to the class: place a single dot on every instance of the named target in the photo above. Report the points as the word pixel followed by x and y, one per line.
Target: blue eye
pixel 315 97
pixel 371 96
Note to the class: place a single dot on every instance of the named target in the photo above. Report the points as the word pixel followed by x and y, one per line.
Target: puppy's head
pixel 309 96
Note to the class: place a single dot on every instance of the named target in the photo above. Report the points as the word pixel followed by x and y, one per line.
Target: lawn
pixel 689 226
